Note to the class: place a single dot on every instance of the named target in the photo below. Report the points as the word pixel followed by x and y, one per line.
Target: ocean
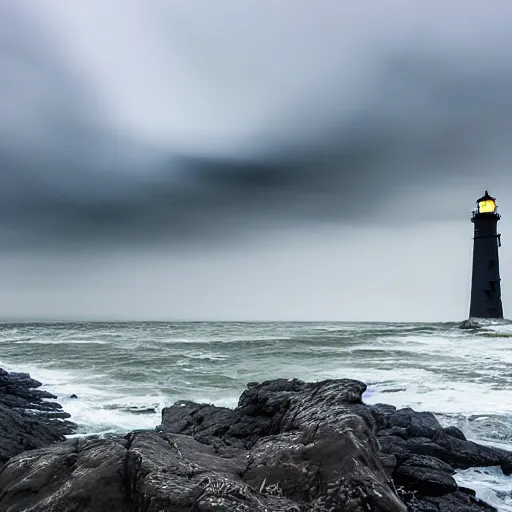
pixel 124 373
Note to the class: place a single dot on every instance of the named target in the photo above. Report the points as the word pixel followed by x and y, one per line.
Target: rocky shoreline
pixel 287 446
pixel 28 420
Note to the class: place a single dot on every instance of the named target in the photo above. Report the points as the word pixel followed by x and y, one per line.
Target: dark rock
pixel 325 470
pixel 453 502
pixel 73 396
pixel 417 424
pixel 455 432
pixel 426 475
pixel 19 433
pixel 203 422
pixel 394 445
pixel 141 410
pixel 425 461
pixel 465 454
pixel 394 431
pixel 73 475
pixel 470 323
pixel 155 472
pixel 424 446
pixel 426 481
pixel 389 462
pixel 423 435
pixel 268 409
pixel 467 490
pixel 27 420
pixel 133 409
pixel 381 414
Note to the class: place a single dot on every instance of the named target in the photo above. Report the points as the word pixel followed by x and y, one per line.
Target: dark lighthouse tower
pixel 485 283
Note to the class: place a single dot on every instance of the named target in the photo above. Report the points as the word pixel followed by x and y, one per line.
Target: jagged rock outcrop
pixel 422 457
pixel 287 446
pixel 313 441
pixel 27 419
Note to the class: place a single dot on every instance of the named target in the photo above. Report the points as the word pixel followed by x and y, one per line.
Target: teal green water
pixel 430 366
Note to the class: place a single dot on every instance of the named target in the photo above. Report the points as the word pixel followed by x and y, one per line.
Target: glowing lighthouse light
pixel 487 204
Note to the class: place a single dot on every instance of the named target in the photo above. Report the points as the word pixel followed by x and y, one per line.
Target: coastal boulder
pixel 27 419
pixel 426 475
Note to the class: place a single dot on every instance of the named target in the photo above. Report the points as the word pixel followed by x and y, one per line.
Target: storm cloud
pixel 286 153
pixel 340 107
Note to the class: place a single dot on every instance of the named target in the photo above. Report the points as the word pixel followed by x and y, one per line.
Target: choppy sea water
pixel 124 373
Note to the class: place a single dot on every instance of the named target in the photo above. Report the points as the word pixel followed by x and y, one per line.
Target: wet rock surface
pixel 426 456
pixel 28 419
pixel 287 446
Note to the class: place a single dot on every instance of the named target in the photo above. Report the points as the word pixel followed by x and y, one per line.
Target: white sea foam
pixel 490 485
pixel 94 414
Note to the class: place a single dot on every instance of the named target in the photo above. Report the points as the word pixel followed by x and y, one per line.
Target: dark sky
pixel 249 160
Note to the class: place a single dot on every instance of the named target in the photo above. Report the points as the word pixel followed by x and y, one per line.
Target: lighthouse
pixel 485 282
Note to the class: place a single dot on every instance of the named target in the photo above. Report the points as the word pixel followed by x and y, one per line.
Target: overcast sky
pixel 255 160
